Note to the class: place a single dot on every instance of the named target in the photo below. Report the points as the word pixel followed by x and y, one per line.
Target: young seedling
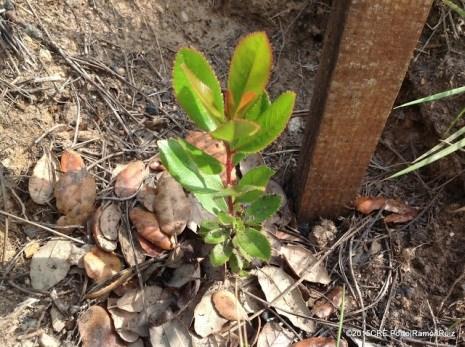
pixel 246 121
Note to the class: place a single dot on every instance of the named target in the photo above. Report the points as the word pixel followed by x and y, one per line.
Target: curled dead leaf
pixel 207 320
pixel 75 195
pixel 401 212
pixel 96 329
pixel 146 196
pixel 324 307
pixel 71 161
pixel 274 282
pixel 149 249
pixel 273 335
pixel 100 265
pixel 43 179
pixel 301 261
pixel 171 205
pixel 131 256
pixel 101 241
pixel 147 226
pixel 228 306
pixel 170 334
pixel 109 221
pixel 129 325
pixel 319 341
pixel 130 179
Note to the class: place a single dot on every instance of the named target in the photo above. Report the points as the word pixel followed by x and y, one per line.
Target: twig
pixel 57 233
pixel 7 220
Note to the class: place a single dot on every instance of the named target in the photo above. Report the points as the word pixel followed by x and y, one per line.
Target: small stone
pixel 184 17
pixel 151 109
pixel 295 124
pixel 58 320
pixel 45 56
pixel 48 341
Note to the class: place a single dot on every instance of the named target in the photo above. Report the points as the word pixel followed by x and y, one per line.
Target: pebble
pixel 184 17
pixel 48 341
pixel 295 124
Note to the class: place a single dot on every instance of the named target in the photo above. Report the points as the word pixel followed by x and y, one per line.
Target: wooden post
pixel 366 54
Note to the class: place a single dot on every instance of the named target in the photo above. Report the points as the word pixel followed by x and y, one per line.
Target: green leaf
pixel 253 243
pixel 234 130
pixel 206 163
pixel 220 254
pixel 238 157
pixel 184 169
pixel 260 106
pixel 253 184
pixel 434 97
pixel 272 123
pixel 197 89
pixel 236 262
pixel 225 218
pixel 216 236
pixel 250 67
pixel 262 208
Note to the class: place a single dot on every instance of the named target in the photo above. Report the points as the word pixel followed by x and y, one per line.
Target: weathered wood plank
pixel 366 54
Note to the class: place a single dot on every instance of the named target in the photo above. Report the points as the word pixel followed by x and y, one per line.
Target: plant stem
pixel 229 168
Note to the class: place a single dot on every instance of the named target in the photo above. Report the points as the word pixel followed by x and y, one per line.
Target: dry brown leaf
pixel 109 221
pixel 324 307
pixel 210 146
pixel 101 241
pixel 171 205
pixel 215 341
pixel 146 196
pixel 401 212
pixel 130 179
pixel 71 161
pixel 273 335
pixel 319 341
pixel 133 300
pixel 149 249
pixel 131 256
pixel 207 320
pixel 43 179
pixel 129 325
pixel 170 334
pixel 228 306
pixel 75 195
pixel 274 281
pixel 198 213
pixel 96 329
pixel 301 261
pixel 100 265
pixel 49 265
pixel 147 226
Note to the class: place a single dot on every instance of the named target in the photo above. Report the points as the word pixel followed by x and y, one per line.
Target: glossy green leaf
pixel 262 208
pixel 260 106
pixel 197 89
pixel 253 184
pixel 238 157
pixel 250 67
pixel 272 123
pixel 216 236
pixel 225 218
pixel 220 254
pixel 205 162
pixel 253 243
pixel 234 130
pixel 184 169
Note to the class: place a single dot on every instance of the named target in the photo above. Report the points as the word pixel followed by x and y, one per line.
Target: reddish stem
pixel 229 168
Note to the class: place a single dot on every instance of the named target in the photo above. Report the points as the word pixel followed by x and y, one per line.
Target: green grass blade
pixel 456 119
pixel 432 158
pixel 444 143
pixel 454 7
pixel 434 97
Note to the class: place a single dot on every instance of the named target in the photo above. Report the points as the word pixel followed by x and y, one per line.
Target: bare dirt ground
pixel 106 93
